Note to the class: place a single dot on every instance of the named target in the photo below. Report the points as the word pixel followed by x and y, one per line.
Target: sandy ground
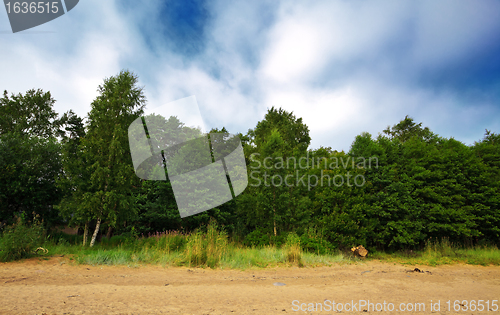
pixel 56 287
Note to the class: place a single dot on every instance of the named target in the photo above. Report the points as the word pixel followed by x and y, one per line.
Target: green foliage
pixel 293 249
pixel 31 114
pixel 75 179
pixel 65 239
pixel 443 251
pixel 314 242
pixel 426 187
pixel 109 195
pixel 206 249
pixel 275 208
pixel 407 129
pixel 419 187
pixel 29 167
pixel 20 240
pixel 29 156
pixel 172 241
pixel 115 240
pixel 256 238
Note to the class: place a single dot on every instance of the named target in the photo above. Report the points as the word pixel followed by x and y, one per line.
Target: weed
pixel 20 240
pixel 293 249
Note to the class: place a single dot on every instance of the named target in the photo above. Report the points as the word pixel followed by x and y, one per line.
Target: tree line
pixel 392 191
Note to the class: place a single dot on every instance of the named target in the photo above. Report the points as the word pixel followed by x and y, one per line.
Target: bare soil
pixel 55 286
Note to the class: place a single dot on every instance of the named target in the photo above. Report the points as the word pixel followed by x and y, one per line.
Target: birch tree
pixel 110 197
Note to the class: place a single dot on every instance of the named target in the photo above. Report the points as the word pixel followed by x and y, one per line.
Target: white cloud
pixel 345 67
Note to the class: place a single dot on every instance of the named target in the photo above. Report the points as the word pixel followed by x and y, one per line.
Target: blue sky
pixel 345 67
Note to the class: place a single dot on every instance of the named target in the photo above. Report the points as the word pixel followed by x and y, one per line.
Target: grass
pixel 443 252
pixel 193 254
pixel 213 249
pixel 216 251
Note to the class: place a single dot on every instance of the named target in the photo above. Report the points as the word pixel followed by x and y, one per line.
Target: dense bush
pixel 313 242
pixel 65 239
pixel 206 249
pixel 115 240
pixel 293 249
pixel 256 238
pixel 20 240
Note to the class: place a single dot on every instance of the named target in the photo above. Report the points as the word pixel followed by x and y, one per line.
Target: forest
pixel 390 192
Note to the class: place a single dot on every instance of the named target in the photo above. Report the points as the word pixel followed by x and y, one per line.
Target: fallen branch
pixel 41 249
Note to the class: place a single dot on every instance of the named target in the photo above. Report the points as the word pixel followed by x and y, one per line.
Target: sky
pixel 344 67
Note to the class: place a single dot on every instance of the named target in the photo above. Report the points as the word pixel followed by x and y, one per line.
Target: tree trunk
pixel 274 211
pixel 92 242
pixel 274 221
pixel 85 233
pixel 110 230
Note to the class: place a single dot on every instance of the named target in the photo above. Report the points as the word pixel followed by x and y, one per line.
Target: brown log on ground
pixel 363 252
pixel 359 251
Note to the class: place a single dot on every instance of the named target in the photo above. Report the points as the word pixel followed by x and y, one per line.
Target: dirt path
pixel 56 287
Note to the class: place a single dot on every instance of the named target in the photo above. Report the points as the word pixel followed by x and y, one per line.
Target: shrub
pixel 314 242
pixel 61 238
pixel 206 249
pixel 114 241
pixel 256 238
pixel 293 249
pixel 20 240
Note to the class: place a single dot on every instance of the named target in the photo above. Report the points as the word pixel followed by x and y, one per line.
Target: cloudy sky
pixel 343 66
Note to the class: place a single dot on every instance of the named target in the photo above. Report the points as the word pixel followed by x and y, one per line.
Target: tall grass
pixel 214 249
pixel 210 249
pixel 293 249
pixel 206 249
pixel 442 251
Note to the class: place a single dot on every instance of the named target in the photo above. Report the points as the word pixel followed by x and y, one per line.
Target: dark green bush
pixel 256 238
pixel 61 238
pixel 115 240
pixel 20 240
pixel 314 242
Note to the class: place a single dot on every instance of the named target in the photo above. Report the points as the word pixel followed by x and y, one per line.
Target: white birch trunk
pixel 92 242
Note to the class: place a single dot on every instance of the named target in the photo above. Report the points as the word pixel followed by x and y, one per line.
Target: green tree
pixel 110 197
pixel 426 186
pixel 29 156
pixel 273 150
pixel 31 114
pixel 488 150
pixel 157 206
pixel 407 128
pixel 75 179
pixel 29 167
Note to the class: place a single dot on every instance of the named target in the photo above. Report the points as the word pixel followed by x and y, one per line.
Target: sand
pixel 56 286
